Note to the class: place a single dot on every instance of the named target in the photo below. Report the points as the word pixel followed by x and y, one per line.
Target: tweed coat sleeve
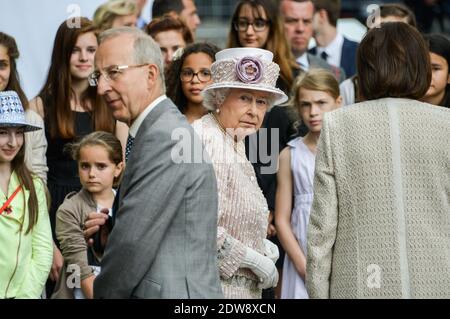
pixel 322 227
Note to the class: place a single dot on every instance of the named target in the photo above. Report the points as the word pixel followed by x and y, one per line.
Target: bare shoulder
pixel 285 155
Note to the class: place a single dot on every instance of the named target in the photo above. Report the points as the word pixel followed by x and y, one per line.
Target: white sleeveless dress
pixel 302 166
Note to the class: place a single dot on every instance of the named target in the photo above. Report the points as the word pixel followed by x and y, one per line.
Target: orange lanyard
pixel 6 206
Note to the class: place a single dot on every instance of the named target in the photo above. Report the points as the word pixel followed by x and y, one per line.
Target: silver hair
pixel 146 50
pixel 213 99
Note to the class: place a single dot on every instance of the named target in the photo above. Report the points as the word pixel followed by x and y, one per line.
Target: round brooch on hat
pixel 249 70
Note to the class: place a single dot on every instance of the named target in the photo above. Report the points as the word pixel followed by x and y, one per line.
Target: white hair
pixel 213 99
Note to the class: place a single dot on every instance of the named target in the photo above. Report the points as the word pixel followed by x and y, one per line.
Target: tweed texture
pixel 380 220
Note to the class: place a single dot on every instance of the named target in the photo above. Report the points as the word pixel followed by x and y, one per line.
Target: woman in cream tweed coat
pixel 380 221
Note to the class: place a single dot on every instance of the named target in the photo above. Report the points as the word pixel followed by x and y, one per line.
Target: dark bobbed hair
pixel 174 91
pixel 393 61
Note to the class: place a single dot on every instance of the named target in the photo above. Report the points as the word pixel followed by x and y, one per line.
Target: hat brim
pixel 280 96
pixel 27 127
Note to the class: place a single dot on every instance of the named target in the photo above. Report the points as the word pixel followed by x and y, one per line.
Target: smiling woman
pixel 27 253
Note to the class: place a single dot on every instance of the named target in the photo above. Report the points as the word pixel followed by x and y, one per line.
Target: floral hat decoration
pixel 246 68
pixel 12 113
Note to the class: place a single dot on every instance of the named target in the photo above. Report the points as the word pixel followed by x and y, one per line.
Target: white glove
pixel 262 266
pixel 271 250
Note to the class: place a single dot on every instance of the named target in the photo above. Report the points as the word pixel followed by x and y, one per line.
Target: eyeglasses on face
pixel 258 25
pixel 110 73
pixel 203 75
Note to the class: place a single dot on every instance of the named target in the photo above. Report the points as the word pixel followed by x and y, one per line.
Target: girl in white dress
pixel 314 94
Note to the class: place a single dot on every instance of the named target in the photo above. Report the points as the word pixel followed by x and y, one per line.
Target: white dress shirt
pixel 333 50
pixel 137 123
pixel 303 61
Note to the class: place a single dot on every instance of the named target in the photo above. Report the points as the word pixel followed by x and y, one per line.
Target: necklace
pixel 228 136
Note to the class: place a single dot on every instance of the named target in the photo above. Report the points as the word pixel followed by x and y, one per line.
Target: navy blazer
pixel 348 56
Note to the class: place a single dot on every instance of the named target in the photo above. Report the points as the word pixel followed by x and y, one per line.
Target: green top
pixel 25 260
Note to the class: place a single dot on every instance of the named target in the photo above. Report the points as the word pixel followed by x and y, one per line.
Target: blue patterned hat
pixel 12 113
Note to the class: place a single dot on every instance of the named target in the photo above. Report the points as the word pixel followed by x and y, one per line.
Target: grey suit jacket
pixel 316 62
pixel 163 244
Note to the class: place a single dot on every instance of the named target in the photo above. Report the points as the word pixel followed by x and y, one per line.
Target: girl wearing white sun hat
pixel 27 247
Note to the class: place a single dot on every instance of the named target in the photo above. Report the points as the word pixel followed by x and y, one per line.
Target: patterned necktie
pixel 324 55
pixel 130 142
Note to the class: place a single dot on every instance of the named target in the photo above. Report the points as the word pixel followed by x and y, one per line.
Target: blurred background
pixel 34 23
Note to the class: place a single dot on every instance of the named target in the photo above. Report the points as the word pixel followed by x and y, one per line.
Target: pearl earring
pixel 217 110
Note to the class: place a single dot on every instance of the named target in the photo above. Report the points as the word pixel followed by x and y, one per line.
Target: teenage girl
pixel 27 248
pixel 316 93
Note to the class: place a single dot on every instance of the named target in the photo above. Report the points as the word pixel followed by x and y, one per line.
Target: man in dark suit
pixel 332 46
pixel 298 24
pixel 163 244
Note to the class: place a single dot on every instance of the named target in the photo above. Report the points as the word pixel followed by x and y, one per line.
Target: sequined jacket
pixel 243 211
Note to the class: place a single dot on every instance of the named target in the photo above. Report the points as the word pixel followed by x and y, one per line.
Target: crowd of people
pixel 155 165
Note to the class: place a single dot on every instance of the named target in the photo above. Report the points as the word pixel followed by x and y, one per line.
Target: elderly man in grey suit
pixel 163 244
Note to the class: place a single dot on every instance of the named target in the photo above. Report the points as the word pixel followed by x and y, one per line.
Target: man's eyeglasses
pixel 258 25
pixel 187 75
pixel 110 73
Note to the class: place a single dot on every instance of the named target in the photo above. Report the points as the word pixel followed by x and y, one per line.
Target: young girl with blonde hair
pixel 314 94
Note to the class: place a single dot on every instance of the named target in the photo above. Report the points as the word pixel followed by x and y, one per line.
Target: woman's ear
pixel 339 102
pixel 118 170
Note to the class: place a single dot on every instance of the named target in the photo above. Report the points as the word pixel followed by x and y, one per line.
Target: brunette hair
pixel 398 10
pixel 175 93
pixel 57 90
pixel 393 61
pixel 167 23
pixel 14 81
pixel 332 7
pixel 104 139
pixel 27 180
pixel 276 41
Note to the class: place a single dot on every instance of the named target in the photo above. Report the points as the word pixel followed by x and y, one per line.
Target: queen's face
pixel 243 111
